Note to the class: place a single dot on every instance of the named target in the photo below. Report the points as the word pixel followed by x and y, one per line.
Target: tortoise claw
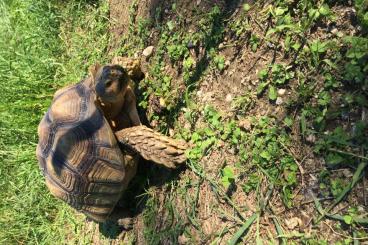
pixel 126 223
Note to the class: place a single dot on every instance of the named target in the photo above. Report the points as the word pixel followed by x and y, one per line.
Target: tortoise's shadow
pixel 134 199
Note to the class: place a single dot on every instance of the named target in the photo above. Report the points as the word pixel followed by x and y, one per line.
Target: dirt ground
pixel 217 221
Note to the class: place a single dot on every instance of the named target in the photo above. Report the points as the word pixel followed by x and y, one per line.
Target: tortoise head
pixel 109 81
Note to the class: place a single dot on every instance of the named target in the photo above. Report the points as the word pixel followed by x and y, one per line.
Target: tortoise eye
pixel 108 83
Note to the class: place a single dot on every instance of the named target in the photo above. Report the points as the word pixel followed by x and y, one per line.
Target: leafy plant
pixel 219 62
pixel 228 177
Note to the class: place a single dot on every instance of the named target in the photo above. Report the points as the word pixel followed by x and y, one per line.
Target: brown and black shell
pixel 79 154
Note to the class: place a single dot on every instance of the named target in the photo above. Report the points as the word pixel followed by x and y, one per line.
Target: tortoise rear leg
pixel 126 222
pixel 123 218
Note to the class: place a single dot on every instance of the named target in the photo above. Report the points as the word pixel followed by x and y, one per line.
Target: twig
pixel 340 209
pixel 302 204
pixel 340 234
pixel 200 173
pixel 230 216
pixel 301 169
pixel 348 153
pixel 321 199
pixel 320 210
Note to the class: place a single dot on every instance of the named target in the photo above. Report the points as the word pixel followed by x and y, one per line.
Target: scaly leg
pixel 131 108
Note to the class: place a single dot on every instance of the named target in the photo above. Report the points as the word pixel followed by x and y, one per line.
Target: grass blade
pixel 356 177
pixel 279 231
pixel 243 229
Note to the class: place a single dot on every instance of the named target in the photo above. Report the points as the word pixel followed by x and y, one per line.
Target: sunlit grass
pixel 43 46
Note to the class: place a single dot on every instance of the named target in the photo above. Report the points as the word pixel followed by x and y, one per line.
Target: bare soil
pixel 220 89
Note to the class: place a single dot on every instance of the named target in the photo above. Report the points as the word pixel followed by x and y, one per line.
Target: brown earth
pixel 220 89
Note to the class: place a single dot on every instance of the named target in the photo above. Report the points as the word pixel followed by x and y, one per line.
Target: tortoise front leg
pixel 131 108
pixel 153 146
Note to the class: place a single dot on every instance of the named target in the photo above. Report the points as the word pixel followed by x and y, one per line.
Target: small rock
pixel 245 124
pixel 199 2
pixel 162 102
pixel 227 63
pixel 154 123
pixel 229 98
pixel 334 31
pixel 245 80
pixel 231 151
pixel 347 173
pixel 361 209
pixel 293 223
pixel 187 125
pixel 311 138
pixel 221 46
pixel 147 52
pixel 279 101
pixel 182 239
pixel 206 97
pixel 171 132
pixel 281 91
pixel 270 45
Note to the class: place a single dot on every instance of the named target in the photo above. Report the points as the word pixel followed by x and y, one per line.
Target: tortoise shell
pixel 79 154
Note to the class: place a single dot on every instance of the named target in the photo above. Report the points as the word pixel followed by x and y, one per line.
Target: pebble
pixel 293 222
pixel 281 91
pixel 245 124
pixel 171 132
pixel 147 52
pixel 311 138
pixel 229 98
pixel 334 31
pixel 347 173
pixel 227 63
pixel 162 102
pixel 279 101
pixel 255 82
pixel 182 239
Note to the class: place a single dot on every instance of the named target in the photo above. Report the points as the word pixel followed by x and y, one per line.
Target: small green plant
pixel 219 62
pixel 362 8
pixel 280 75
pixel 228 177
pixel 254 42
pixel 252 183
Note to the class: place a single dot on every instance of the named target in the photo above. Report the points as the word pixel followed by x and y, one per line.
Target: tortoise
pixel 86 140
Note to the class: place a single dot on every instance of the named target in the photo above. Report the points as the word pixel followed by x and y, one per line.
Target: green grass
pixel 48 44
pixel 44 45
